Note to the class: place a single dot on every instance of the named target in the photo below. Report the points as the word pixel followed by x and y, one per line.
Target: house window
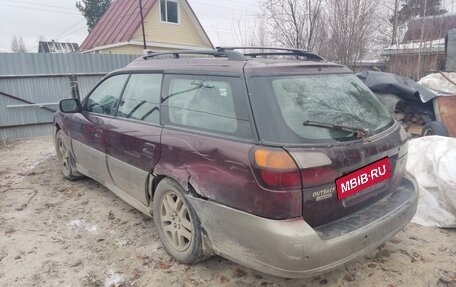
pixel 169 11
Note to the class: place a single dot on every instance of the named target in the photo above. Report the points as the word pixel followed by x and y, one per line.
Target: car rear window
pixel 282 104
pixel 212 104
pixel 204 104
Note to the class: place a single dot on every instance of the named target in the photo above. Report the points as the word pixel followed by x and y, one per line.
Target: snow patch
pixel 75 224
pixel 79 224
pixel 113 279
pixel 91 228
pixel 35 163
pixel 121 243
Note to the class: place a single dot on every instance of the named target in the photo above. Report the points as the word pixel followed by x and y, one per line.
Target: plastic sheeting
pixel 432 160
pixel 438 83
pixel 388 83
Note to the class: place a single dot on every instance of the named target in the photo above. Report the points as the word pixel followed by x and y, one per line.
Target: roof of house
pixel 435 27
pixel 57 47
pixel 428 47
pixel 120 22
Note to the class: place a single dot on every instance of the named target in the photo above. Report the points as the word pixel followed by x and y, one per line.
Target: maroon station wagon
pixel 273 158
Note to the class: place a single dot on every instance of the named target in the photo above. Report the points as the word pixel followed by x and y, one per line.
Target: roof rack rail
pixel 279 52
pixel 230 54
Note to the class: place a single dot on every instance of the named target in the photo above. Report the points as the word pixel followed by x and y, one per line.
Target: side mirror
pixel 70 106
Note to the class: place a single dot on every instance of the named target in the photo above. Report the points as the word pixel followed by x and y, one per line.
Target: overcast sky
pixel 61 21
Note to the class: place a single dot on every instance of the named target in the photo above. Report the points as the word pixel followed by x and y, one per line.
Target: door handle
pixel 149 149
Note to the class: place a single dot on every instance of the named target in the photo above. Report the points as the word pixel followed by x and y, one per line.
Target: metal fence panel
pixel 43 63
pixel 450 61
pixel 86 84
pixel 26 132
pixel 46 78
pixel 36 90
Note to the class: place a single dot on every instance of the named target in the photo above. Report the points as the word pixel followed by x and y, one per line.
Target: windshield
pixel 282 105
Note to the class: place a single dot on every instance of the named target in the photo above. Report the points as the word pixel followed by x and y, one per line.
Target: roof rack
pixel 278 52
pixel 230 54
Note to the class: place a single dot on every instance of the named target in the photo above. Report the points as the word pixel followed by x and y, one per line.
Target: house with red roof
pixel 168 25
pixel 424 39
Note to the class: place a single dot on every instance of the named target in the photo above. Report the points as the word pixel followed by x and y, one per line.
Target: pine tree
pixel 414 8
pixel 92 10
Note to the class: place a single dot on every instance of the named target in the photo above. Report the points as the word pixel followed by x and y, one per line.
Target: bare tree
pixel 251 33
pixel 294 23
pixel 352 25
pixel 17 45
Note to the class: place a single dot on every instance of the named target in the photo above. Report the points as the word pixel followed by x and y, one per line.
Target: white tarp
pixel 432 160
pixel 438 83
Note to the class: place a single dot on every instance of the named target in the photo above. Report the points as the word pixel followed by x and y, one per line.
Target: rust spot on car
pixel 447 110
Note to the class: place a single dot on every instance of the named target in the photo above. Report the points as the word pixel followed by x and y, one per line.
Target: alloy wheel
pixel 63 156
pixel 176 221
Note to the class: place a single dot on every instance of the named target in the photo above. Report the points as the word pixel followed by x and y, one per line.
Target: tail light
pixel 316 176
pixel 275 169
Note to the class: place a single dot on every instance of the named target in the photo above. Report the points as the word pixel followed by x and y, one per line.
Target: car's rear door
pixel 87 128
pixel 133 136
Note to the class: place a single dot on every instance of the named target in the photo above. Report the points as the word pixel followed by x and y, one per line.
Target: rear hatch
pixel 332 125
pixel 321 203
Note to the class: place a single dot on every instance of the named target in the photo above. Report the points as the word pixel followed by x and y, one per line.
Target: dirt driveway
pixel 59 233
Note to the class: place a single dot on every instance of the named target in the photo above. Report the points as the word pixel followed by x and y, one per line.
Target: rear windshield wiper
pixel 359 132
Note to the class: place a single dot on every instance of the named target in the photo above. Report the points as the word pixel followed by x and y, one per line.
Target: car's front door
pixel 133 136
pixel 87 128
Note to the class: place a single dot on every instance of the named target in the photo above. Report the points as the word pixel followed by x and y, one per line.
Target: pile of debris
pixel 411 116
pixel 411 104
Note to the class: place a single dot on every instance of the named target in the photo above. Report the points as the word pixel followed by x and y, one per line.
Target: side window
pixel 208 104
pixel 104 98
pixel 141 98
pixel 169 11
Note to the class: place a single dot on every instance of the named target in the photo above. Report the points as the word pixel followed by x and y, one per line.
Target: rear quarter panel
pixel 219 170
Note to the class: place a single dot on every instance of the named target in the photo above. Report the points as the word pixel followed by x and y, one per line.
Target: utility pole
pixel 142 25
pixel 394 39
pixel 419 69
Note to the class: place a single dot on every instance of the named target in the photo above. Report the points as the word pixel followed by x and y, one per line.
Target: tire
pixel 66 161
pixel 435 128
pixel 177 222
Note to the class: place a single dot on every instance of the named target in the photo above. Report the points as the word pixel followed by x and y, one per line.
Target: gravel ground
pixel 59 233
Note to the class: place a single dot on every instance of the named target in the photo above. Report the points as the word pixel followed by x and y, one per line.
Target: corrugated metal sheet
pixel 44 63
pixel 450 62
pixel 36 90
pixel 26 132
pixel 51 83
pixel 86 84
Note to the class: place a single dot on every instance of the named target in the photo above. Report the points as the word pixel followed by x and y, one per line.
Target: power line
pixel 72 26
pixel 38 9
pixel 64 35
pixel 73 32
pixel 231 1
pixel 41 5
pixel 224 7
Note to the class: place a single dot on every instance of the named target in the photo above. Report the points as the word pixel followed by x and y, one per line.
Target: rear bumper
pixel 293 249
